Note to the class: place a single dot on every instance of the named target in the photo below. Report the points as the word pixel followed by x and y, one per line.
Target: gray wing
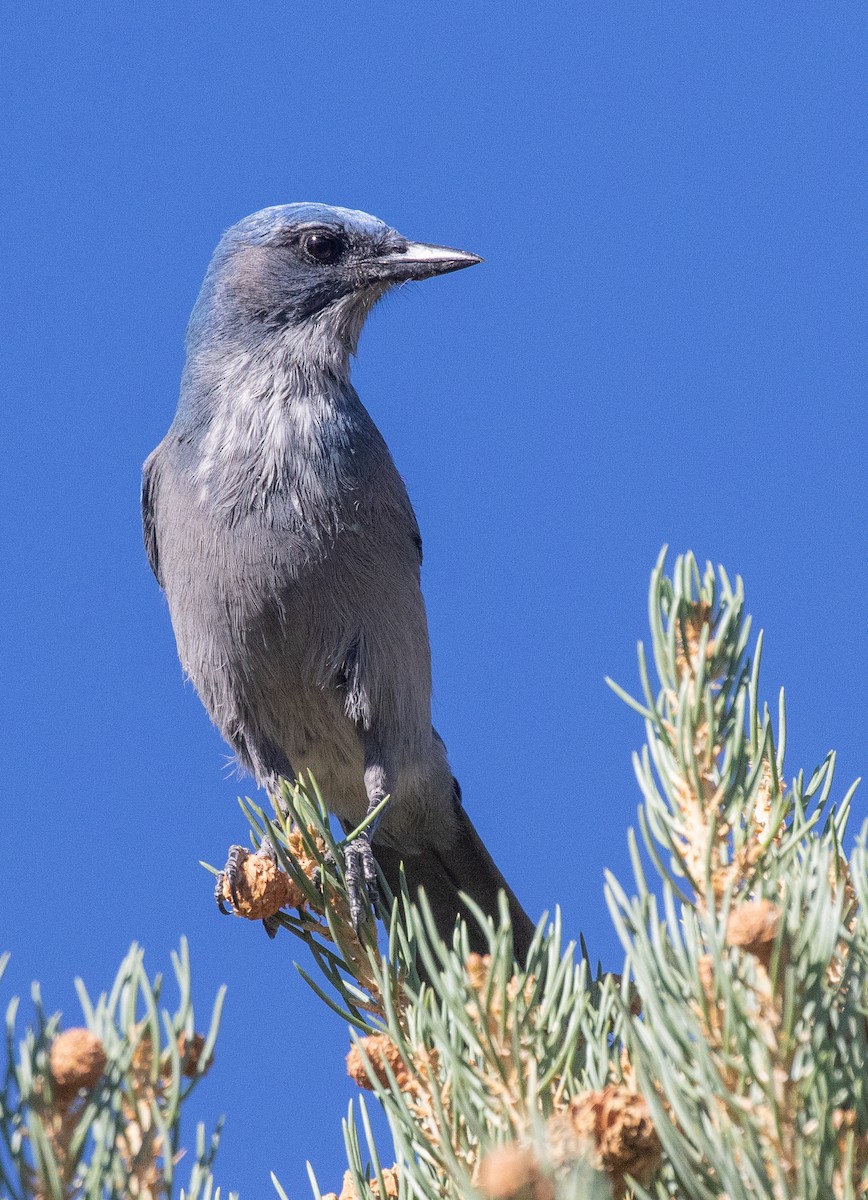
pixel 150 483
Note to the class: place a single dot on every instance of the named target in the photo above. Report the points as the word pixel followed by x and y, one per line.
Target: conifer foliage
pixel 725 1060
pixel 93 1111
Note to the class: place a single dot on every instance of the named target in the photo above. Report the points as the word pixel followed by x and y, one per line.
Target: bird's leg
pixel 270 766
pixel 359 865
pixel 272 780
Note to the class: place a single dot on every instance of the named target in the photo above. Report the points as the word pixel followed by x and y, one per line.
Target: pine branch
pixel 94 1111
pixel 742 1071
pixel 726 1060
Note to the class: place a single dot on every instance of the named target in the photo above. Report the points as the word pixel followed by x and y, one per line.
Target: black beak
pixel 420 261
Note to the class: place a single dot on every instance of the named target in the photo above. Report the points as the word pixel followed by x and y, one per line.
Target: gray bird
pixel 283 536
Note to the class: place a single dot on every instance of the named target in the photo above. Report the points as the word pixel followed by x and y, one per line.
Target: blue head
pixel 305 276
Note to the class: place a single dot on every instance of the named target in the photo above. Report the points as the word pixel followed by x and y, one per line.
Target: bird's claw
pixel 229 875
pixel 360 872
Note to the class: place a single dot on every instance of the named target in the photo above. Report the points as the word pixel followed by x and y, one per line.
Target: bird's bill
pixel 421 261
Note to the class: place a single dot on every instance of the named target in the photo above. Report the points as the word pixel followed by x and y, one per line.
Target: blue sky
pixel 665 344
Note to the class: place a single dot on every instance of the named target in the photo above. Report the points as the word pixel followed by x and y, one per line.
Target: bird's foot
pixel 360 872
pixel 229 878
pixel 232 881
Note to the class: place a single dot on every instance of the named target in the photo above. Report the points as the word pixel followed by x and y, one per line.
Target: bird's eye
pixel 324 247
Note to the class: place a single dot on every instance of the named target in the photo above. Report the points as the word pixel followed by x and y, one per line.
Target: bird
pixel 284 539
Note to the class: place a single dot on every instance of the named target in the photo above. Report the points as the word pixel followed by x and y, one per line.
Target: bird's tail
pixel 465 867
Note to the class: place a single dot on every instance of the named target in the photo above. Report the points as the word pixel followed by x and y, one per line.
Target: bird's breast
pixel 307 457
